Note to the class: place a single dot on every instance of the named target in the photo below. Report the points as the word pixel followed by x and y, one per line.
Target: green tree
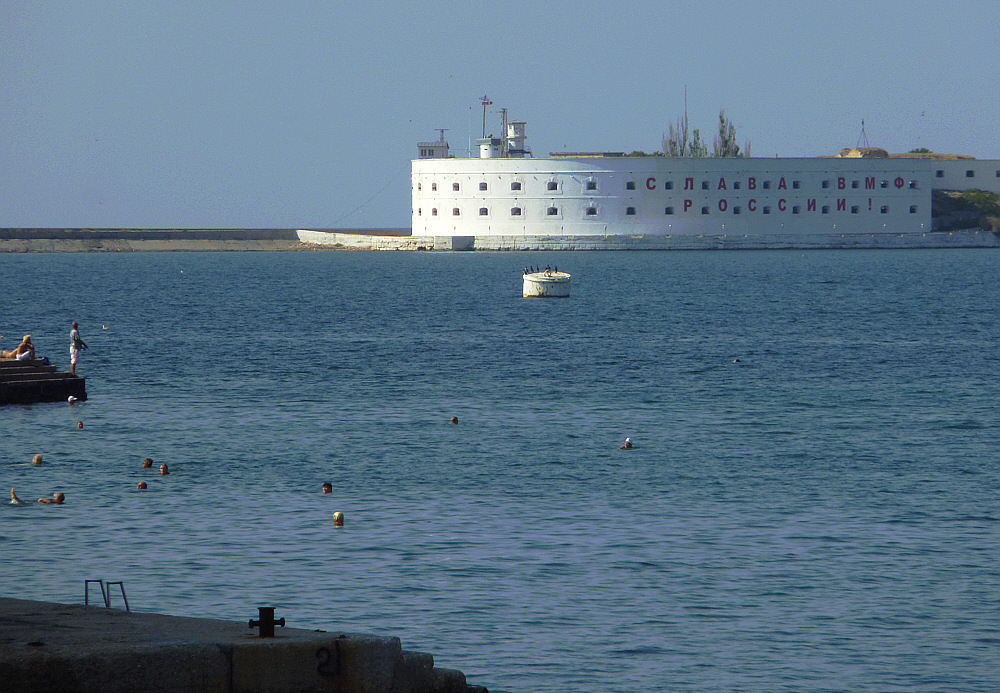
pixel 725 142
pixel 697 149
pixel 921 150
pixel 680 143
pixel 677 143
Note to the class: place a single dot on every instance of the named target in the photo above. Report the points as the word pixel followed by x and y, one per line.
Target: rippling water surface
pixel 813 503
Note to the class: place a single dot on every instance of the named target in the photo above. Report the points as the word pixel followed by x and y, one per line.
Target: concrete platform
pixel 45 648
pixel 28 382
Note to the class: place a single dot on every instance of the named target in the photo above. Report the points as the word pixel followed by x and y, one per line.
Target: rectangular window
pixel 553 185
pixel 454 186
pixel 515 211
pixel 939 173
pixel 736 185
pixel 434 212
pixel 913 209
pixel 826 184
pixel 885 209
pixel 795 209
pixel 913 185
pixel 970 174
pixel 767 209
pixel 767 185
pixel 591 211
pixel 669 185
pixel 854 209
pixel 704 185
pixel 668 210
pixel 704 210
pixel 630 185
pixel 482 186
pixel 454 212
pixel 515 185
pixel 796 185
pixel 483 211
pixel 826 209
pixel 591 185
pixel 630 211
pixel 434 186
pixel 737 209
pixel 854 183
pixel 552 211
pixel 884 184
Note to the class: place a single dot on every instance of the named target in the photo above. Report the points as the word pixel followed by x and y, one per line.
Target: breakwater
pixel 59 647
pixel 193 240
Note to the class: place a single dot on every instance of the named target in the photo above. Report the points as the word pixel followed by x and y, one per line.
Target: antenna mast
pixel 505 147
pixel 862 137
pixel 486 102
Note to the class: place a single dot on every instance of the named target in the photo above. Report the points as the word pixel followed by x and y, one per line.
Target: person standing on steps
pixel 75 345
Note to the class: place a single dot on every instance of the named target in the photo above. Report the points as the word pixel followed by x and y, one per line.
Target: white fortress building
pixel 506 199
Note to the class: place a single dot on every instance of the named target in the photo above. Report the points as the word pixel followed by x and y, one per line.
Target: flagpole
pixel 486 102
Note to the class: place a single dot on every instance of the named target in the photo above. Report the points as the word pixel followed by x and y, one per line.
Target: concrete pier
pixel 28 382
pixel 49 648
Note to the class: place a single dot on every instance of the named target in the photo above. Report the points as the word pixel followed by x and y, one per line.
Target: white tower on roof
pixel 515 140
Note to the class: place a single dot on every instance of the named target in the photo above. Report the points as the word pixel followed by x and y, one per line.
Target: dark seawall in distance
pixel 125 240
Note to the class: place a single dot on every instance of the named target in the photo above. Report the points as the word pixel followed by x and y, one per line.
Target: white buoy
pixel 546 284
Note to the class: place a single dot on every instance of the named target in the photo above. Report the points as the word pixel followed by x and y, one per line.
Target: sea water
pixel 812 503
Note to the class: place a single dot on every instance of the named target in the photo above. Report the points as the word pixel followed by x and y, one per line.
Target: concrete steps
pixel 28 382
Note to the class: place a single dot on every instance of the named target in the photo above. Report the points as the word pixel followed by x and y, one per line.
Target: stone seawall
pixel 973 238
pixel 193 240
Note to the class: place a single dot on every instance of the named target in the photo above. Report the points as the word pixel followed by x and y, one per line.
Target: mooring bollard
pixel 266 621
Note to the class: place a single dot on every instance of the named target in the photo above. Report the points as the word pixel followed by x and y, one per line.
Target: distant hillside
pixel 963 209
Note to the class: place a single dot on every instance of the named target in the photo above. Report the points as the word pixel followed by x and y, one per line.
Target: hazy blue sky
pixel 204 113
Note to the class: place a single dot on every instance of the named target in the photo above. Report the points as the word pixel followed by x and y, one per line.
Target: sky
pixel 306 113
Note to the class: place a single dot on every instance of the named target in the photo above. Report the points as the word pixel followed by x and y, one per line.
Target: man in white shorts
pixel 75 345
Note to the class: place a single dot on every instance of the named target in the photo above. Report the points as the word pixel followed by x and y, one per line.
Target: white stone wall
pixel 594 196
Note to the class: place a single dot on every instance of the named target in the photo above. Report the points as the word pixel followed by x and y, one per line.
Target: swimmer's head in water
pixel 163 470
pixel 147 463
pixel 58 497
pixel 327 487
pixel 141 486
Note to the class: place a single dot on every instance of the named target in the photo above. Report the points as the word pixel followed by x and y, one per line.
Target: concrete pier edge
pixel 47 647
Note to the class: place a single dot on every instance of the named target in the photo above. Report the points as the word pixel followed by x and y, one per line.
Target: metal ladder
pixel 105 592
